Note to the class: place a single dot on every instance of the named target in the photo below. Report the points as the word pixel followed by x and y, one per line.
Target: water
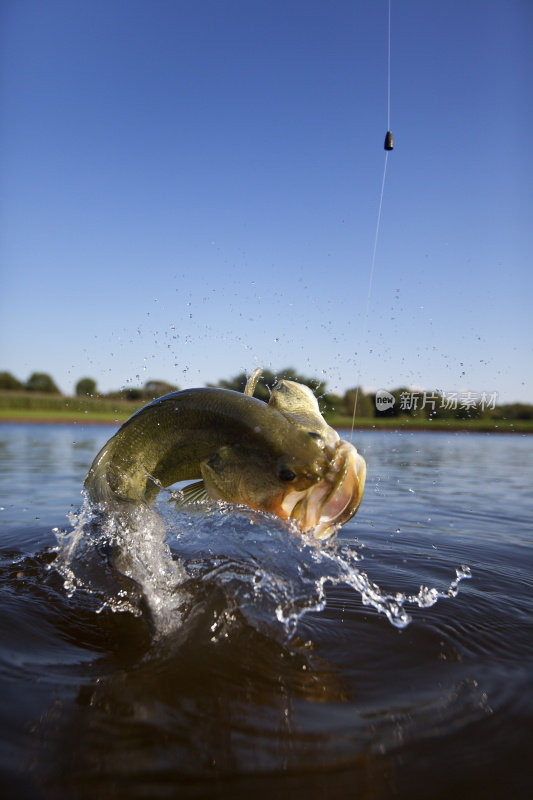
pixel 232 658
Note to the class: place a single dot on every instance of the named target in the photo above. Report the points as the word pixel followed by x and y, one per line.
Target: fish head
pixel 260 478
pixel 318 487
pixel 297 403
pixel 334 499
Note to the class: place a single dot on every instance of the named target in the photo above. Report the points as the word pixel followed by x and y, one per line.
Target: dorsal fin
pixel 252 382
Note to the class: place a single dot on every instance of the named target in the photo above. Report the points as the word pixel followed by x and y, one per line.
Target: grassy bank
pixel 15 406
pixel 423 424
pixel 32 407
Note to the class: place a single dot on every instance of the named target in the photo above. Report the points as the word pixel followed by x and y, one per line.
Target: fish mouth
pixel 333 500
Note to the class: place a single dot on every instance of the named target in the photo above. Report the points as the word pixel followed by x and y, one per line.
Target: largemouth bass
pixel 280 457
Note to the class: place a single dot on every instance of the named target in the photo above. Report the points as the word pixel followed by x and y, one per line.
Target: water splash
pixel 171 561
pixel 123 560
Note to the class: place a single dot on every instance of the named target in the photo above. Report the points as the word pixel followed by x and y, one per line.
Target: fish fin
pixel 192 493
pixel 252 381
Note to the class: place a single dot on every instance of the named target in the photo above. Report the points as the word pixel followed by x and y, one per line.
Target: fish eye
pixel 285 474
pixel 216 461
pixel 317 436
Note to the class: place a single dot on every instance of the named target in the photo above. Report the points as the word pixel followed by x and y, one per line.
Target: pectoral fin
pixel 192 493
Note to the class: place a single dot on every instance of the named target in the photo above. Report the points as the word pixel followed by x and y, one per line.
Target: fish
pixel 279 457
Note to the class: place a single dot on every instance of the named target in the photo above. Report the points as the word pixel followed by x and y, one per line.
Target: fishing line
pixel 388 75
pixel 370 282
pixel 389 145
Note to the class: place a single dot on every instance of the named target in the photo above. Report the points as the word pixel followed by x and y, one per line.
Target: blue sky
pixel 190 189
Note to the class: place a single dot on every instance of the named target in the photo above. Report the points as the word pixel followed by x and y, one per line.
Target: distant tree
pixel 330 402
pixel 133 394
pixel 153 389
pixel 8 381
pixel 513 411
pixel 237 383
pixel 41 382
pixel 365 407
pixel 86 386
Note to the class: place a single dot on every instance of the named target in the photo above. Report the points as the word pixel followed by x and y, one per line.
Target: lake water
pixel 395 662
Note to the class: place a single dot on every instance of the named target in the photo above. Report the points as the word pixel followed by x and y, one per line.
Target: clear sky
pixel 190 189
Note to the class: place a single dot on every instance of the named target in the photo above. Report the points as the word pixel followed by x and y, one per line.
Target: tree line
pixel 402 401
pixel 399 402
pixel 42 383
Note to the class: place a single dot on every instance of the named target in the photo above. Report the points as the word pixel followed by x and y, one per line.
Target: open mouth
pixel 335 499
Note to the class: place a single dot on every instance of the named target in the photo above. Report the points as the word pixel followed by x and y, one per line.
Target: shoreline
pixel 377 428
pixel 58 421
